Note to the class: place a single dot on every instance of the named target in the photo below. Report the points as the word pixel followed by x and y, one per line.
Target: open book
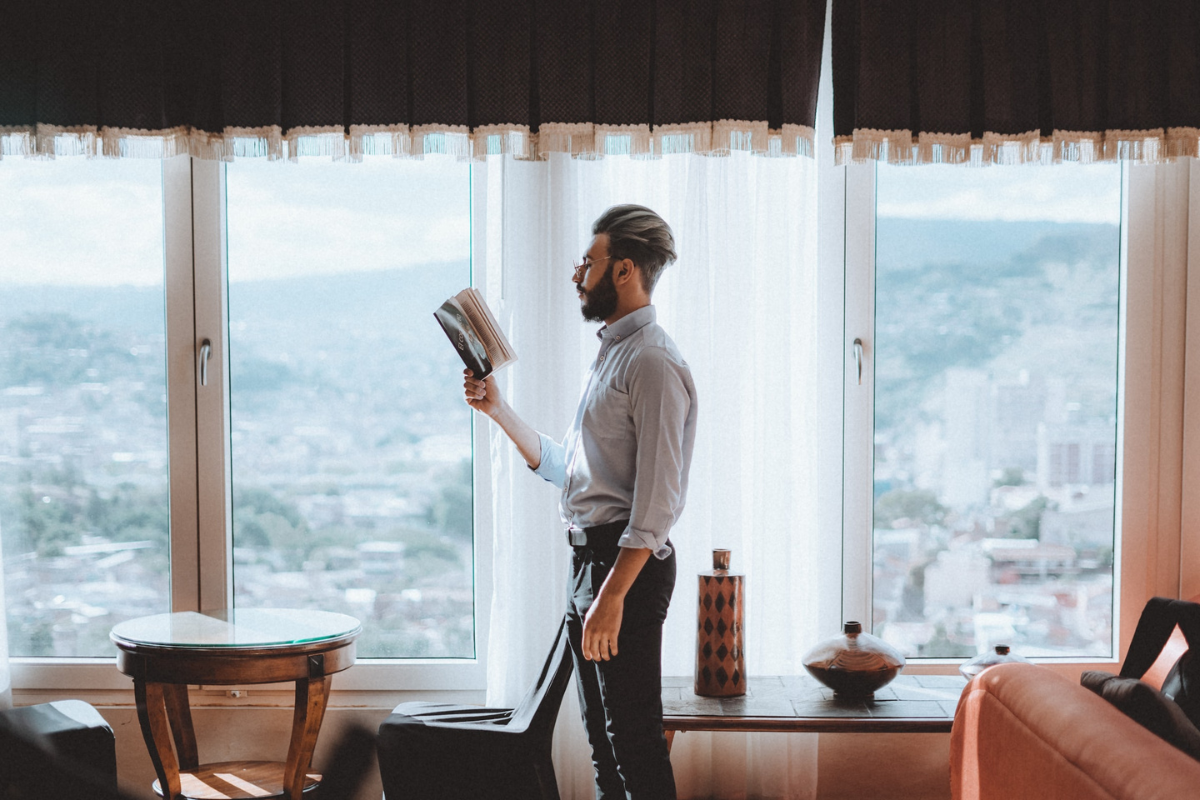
pixel 471 328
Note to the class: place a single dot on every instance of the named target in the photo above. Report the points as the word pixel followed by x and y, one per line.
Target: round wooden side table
pixel 166 652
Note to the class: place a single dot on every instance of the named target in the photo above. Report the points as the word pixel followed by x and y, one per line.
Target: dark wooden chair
pixel 63 750
pixel 433 751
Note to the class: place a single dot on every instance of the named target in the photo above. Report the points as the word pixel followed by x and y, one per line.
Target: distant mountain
pixel 908 243
pixel 390 299
pixel 386 296
pixel 135 309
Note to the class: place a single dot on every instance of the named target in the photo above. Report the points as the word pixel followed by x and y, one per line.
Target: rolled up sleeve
pixel 661 400
pixel 553 466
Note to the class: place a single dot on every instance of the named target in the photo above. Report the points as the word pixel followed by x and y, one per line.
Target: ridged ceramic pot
pixel 720 631
pixel 1001 655
pixel 855 664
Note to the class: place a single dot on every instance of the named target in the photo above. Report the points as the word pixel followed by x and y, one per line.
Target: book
pixel 475 334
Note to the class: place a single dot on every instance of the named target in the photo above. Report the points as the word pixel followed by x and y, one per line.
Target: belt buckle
pixel 577 536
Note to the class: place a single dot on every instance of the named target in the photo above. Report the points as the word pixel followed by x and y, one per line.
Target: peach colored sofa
pixel 1022 731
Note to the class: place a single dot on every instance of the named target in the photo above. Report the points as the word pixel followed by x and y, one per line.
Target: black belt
pixel 606 535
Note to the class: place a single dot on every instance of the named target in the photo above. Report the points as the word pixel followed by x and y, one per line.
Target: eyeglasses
pixel 581 269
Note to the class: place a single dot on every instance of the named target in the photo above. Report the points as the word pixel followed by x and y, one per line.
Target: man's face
pixel 597 292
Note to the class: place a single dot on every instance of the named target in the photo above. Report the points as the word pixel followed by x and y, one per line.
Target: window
pixel 311 460
pixel 1004 455
pixel 996 330
pixel 84 483
pixel 1002 464
pixel 351 466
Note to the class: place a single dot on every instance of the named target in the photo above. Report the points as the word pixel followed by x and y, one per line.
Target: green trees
pixel 918 506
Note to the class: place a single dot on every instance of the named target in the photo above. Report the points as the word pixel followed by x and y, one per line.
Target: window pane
pixel 995 408
pixel 351 472
pixel 83 405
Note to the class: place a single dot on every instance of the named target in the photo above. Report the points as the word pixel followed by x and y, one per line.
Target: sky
pixel 75 221
pixel 1059 193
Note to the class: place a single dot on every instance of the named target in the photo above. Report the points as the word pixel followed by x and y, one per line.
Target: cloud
pixel 1058 193
pixel 322 218
pixel 99 222
pixel 79 221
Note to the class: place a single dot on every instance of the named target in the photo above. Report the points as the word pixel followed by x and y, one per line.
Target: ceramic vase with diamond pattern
pixel 720 632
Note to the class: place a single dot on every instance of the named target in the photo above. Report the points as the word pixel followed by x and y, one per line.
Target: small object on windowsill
pixel 1001 655
pixel 855 664
pixel 720 635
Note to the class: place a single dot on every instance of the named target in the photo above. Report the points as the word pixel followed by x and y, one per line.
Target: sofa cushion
pixel 1148 707
pixel 1022 731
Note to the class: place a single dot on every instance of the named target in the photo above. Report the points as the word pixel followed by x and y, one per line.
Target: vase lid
pixel 721 559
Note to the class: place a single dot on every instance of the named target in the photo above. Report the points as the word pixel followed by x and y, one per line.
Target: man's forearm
pixel 624 572
pixel 528 443
pixel 602 625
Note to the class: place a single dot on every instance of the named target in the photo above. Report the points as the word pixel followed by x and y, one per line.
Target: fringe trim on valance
pixel 1085 147
pixel 379 140
pixel 792 140
pixel 581 140
pixel 729 135
pixel 693 137
pixel 513 140
pixel 576 138
pixel 624 140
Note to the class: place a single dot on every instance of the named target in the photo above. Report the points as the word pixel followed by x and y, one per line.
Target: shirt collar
pixel 628 324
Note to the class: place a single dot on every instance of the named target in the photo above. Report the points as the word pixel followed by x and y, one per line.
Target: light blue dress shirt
pixel 629 448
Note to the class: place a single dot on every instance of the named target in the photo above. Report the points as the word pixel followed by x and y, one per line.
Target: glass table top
pixel 247 627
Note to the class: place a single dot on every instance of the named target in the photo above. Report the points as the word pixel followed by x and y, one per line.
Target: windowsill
pixel 100 675
pixel 364 686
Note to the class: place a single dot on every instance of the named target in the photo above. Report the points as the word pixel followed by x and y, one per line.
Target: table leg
pixel 311 697
pixel 670 739
pixel 152 714
pixel 179 712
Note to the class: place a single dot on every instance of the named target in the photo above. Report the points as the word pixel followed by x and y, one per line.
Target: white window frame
pixel 1159 428
pixel 1153 557
pixel 195 253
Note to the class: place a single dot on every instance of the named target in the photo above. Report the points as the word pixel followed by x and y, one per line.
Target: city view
pixel 350 443
pixel 351 466
pixel 995 361
pixel 995 432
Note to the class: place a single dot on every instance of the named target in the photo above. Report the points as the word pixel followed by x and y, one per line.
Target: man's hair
pixel 637 233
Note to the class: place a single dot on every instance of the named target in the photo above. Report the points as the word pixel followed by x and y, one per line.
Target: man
pixel 623 469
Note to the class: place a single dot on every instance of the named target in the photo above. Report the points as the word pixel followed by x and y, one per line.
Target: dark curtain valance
pixel 1010 81
pixel 219 78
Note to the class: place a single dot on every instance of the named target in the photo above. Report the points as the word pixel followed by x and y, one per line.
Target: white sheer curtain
pixel 741 303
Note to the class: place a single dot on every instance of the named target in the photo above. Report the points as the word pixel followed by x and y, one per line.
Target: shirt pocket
pixel 608 415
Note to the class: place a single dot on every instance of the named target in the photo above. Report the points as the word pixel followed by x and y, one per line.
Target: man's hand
pixel 483 396
pixel 602 624
pixel 601 627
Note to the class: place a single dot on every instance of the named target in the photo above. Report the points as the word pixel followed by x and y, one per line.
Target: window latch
pixel 205 352
pixel 858 356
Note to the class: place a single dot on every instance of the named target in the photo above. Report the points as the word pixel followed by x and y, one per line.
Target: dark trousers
pixel 622 698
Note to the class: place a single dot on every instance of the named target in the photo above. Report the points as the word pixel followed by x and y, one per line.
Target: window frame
pixel 195 251
pixel 1153 391
pixel 1158 439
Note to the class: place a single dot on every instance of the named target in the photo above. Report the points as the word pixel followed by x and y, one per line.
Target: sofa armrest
pixel 1023 731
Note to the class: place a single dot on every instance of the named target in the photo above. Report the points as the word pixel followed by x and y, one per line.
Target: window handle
pixel 205 352
pixel 858 355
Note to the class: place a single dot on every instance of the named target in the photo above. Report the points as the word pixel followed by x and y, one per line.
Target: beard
pixel 600 302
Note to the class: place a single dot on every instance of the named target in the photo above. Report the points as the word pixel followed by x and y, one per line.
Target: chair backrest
pixel 1161 638
pixel 538 711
